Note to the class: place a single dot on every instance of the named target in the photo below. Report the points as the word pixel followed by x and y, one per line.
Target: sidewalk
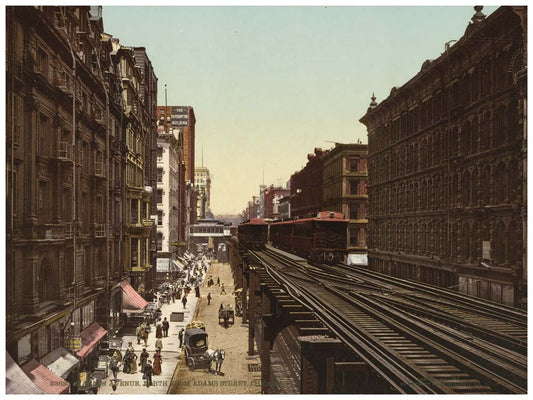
pixel 133 383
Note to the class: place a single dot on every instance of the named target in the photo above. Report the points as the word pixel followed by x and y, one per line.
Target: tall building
pixel 66 167
pixel 344 183
pixel 202 183
pixel 169 159
pixel 447 165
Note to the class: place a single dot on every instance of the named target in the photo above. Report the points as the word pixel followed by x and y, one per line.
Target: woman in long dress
pixel 158 331
pixel 157 363
pixel 133 363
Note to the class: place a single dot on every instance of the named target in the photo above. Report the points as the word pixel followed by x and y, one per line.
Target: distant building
pixel 284 207
pixel 202 183
pixel 345 178
pixel 447 166
pixel 306 186
pixel 272 197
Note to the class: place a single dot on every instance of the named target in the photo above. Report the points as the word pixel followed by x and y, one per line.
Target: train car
pixel 253 234
pixel 320 239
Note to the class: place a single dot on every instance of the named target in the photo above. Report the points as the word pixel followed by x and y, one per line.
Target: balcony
pixel 99 169
pixel 99 230
pixel 64 151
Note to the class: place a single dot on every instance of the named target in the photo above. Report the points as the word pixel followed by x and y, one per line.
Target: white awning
pixel 17 382
pixel 357 259
pixel 177 265
pixel 60 362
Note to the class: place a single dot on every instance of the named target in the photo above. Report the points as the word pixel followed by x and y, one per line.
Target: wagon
pixel 226 313
pixel 196 351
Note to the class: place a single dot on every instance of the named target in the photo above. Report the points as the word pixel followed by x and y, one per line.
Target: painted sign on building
pixel 179 116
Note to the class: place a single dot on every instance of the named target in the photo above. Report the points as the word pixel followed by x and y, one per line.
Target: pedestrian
pixel 180 336
pixel 127 362
pixel 114 366
pixel 219 356
pixel 138 333
pixel 144 336
pixel 158 331
pixel 159 344
pixel 133 363
pixel 143 358
pixel 118 355
pixel 218 281
pixel 166 325
pixel 173 294
pixel 208 298
pixel 184 301
pixel 148 371
pixel 179 293
pixel 157 362
pixel 223 291
pixel 226 319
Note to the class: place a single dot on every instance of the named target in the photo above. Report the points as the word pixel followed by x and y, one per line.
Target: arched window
pixel 474 183
pixel 466 241
pixel 466 139
pixel 500 244
pixel 513 127
pixel 474 136
pixel 485 132
pixel 47 282
pixel 512 185
pixel 473 242
pixel 501 183
pixel 500 129
pixel 453 190
pixel 466 188
pixel 486 186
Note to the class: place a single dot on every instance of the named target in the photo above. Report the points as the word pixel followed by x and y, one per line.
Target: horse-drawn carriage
pixel 197 354
pixel 226 315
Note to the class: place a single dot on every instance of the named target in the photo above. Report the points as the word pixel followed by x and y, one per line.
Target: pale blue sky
pixel 269 84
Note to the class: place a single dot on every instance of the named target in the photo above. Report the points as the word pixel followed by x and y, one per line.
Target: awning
pixel 60 362
pixel 132 302
pixel 177 265
pixel 357 259
pixel 17 382
pixel 47 381
pixel 90 338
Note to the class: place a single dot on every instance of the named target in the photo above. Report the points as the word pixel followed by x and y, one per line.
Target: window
pixel 44 199
pixel 160 175
pixel 159 196
pixel 352 164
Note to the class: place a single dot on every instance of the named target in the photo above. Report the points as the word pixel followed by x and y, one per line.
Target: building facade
pixel 306 186
pixel 69 152
pixel 272 196
pixel 447 166
pixel 344 183
pixel 169 160
pixel 202 183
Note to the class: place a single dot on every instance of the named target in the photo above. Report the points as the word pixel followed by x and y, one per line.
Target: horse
pixel 218 357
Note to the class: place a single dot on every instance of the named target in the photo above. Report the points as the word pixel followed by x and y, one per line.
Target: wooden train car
pixel 253 233
pixel 320 239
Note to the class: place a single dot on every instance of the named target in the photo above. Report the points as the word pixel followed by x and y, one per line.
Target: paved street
pixel 133 383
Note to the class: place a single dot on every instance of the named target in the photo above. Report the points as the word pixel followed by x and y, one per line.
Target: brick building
pixel 272 195
pixel 447 166
pixel 306 186
pixel 345 189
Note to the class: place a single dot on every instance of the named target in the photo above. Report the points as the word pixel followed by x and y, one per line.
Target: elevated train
pixel 320 239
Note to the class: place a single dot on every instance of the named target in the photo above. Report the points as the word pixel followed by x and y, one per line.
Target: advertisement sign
pixel 72 343
pixel 179 116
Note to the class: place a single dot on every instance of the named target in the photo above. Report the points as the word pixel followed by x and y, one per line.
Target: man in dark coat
pixel 148 371
pixel 165 327
pixel 180 336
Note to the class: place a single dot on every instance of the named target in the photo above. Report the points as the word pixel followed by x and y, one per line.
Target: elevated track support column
pixel 317 353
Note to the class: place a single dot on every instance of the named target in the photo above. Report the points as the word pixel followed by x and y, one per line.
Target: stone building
pixel 306 186
pixel 68 248
pixel 345 190
pixel 139 131
pixel 202 183
pixel 447 165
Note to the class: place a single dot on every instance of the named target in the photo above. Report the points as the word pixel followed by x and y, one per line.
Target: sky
pixel 270 84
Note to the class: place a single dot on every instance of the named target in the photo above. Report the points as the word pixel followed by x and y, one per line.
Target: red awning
pixel 132 302
pixel 45 379
pixel 90 338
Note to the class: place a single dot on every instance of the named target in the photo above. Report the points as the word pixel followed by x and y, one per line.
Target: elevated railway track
pixel 418 338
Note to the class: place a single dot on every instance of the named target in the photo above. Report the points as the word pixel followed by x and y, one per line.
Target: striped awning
pixel 90 338
pixel 132 302
pixel 178 265
pixel 17 382
pixel 47 381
